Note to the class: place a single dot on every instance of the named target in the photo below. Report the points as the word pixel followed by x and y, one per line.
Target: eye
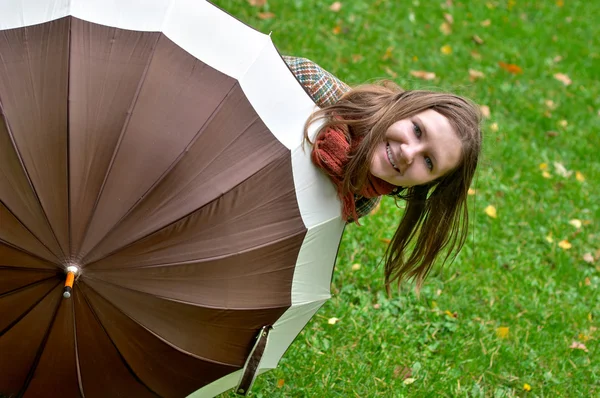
pixel 417 130
pixel 429 163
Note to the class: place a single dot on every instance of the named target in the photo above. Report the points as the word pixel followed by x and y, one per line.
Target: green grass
pixel 509 274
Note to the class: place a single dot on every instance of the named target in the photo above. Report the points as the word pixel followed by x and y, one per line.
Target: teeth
pixel 390 157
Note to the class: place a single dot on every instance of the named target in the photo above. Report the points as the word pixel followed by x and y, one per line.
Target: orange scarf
pixel 331 153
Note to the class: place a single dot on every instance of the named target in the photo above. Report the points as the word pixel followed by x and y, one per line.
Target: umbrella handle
pixel 69 284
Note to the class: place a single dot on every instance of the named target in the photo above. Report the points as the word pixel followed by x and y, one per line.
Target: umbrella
pixel 151 158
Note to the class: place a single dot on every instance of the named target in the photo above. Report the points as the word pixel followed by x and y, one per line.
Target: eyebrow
pixel 426 134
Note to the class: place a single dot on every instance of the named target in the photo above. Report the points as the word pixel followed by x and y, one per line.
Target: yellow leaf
pixel 563 123
pixel 564 79
pixel 446 50
pixel 587 281
pixel 337 30
pixel 576 223
pixel 475 74
pixel 445 28
pixel 564 244
pixel 433 304
pixel 335 7
pixel 494 127
pixel 561 170
pixel 257 3
pixel 355 267
pixel 486 23
pixel 477 39
pixel 388 53
pixel 485 111
pixel 549 238
pixel 579 177
pixel 280 383
pixel 491 211
pixel 502 332
pixel 471 191
pixel 545 174
pixel 543 166
pixel 449 18
pixel 550 104
pixel 421 74
pixel 391 72
pixel 409 380
pixel 526 387
pixel 560 3
pixel 332 321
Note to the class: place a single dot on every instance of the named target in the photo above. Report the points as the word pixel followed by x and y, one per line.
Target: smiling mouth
pixel 390 156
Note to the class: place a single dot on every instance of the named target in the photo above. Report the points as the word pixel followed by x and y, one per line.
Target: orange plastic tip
pixel 70 279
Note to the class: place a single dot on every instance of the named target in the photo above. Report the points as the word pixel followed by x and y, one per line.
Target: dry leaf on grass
pixel 502 332
pixel 257 3
pixel 337 30
pixel 391 72
pixel 561 170
pixel 485 111
pixel 280 383
pixel 564 79
pixel 511 68
pixel 565 244
pixel 445 28
pixel 576 223
pixel 335 7
pixel 550 104
pixel 576 345
pixel 579 177
pixel 475 74
pixel 333 321
pixel 588 258
pixel 355 267
pixel 471 192
pixel 494 127
pixel 421 74
pixel 477 39
pixel 449 18
pixel 446 50
pixel 486 23
pixel 491 211
pixel 266 15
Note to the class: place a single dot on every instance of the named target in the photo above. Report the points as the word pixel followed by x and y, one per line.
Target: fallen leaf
pixel 551 133
pixel 575 222
pixel 446 50
pixel 564 244
pixel 485 111
pixel 549 238
pixel 543 166
pixel 494 127
pixel 550 104
pixel 355 267
pixel 385 240
pixel 579 177
pixel 475 55
pixel 451 314
pixel 449 18
pixel 502 332
pixel 587 281
pixel 563 123
pixel 377 306
pixel 445 28
pixel 356 57
pixel 391 72
pixel 491 211
pixel 409 380
pixel 564 79
pixel 511 68
pixel 335 7
pixel 561 170
pixel 471 192
pixel 280 383
pixel 388 53
pixel 403 372
pixel 332 321
pixel 475 74
pixel 526 387
pixel 477 39
pixel 337 30
pixel 578 346
pixel 545 174
pixel 257 3
pixel 486 23
pixel 421 74
pixel 588 258
pixel 557 59
pixel 560 3
pixel 266 15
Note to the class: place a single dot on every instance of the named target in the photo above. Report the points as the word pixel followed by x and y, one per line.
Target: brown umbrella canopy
pixel 150 171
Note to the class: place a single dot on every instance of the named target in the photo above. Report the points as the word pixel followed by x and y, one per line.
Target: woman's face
pixel 417 150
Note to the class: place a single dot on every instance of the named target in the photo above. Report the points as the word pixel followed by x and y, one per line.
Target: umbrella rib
pixel 125 363
pixel 13 291
pixel 68 127
pixel 27 251
pixel 24 314
pixel 260 205
pixel 40 350
pixel 122 134
pixel 169 169
pixel 156 335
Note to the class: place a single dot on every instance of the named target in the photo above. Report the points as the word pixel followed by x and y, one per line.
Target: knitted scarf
pixel 331 153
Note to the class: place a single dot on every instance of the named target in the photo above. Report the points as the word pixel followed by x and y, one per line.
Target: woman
pixel 419 146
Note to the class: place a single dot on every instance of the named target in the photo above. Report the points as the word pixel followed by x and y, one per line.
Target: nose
pixel 410 151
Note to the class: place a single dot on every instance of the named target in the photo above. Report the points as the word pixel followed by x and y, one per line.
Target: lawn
pixel 517 313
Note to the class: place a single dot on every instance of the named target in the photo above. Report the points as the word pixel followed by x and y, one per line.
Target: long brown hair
pixel 436 215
